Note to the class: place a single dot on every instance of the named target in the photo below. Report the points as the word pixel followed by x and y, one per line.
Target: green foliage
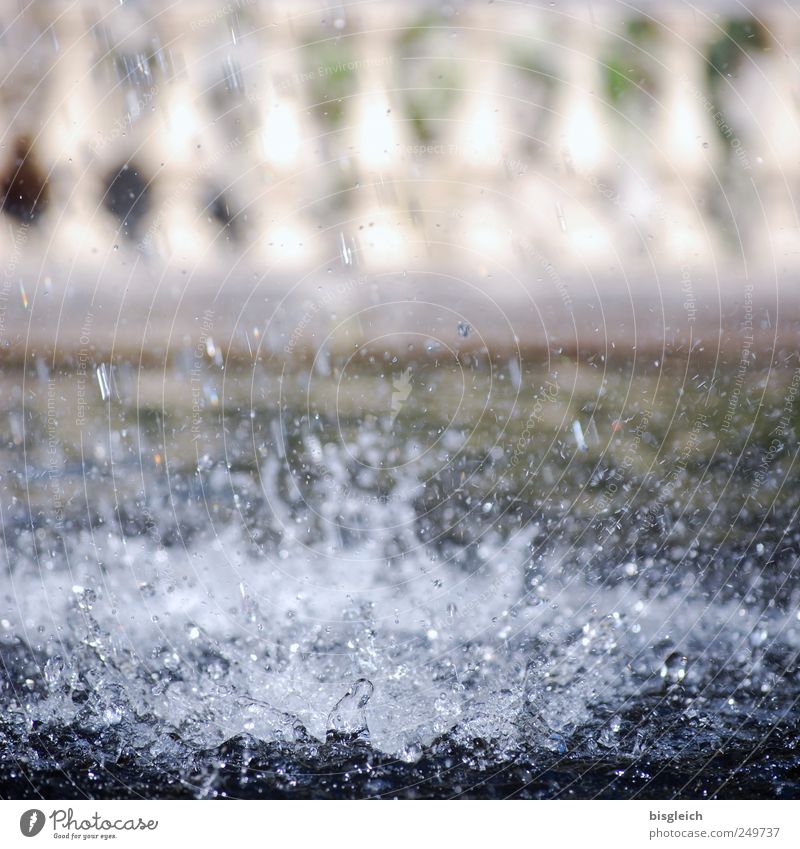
pixel 641 30
pixel 618 83
pixel 725 55
pixel 432 101
pixel 329 70
pixel 411 37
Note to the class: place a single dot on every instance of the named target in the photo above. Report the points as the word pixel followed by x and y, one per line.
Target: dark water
pixel 555 585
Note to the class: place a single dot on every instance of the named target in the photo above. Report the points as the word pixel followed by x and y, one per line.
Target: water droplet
pixel 608 737
pixel 53 670
pixel 346 250
pixel 674 669
pixel 562 221
pixel 347 722
pixel 577 432
pixel 102 381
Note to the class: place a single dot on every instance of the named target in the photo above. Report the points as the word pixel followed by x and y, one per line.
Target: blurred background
pixel 641 153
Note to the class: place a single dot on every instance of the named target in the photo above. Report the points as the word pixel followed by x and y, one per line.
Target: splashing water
pixel 378 613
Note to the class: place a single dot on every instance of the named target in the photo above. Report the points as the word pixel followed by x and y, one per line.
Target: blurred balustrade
pixel 388 136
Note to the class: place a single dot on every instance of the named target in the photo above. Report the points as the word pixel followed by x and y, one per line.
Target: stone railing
pixel 295 138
